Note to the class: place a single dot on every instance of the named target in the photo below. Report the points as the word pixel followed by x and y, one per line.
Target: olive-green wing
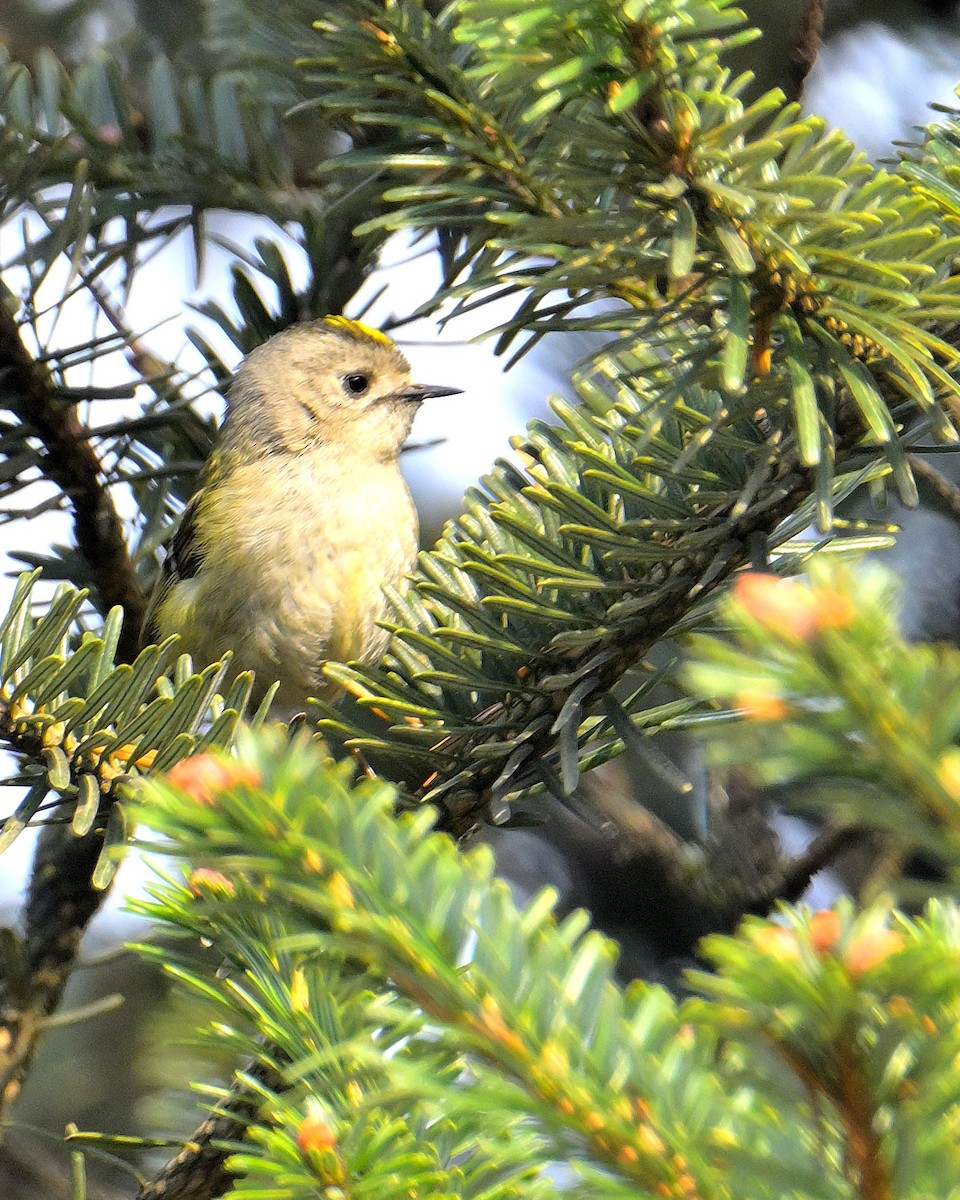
pixel 183 561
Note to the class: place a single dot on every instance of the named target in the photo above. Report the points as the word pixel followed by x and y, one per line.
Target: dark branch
pixel 60 904
pixel 198 1172
pixel 70 462
pixel 62 899
pixel 945 489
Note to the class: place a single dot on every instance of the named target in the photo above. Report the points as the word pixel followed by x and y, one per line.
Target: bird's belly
pixel 308 591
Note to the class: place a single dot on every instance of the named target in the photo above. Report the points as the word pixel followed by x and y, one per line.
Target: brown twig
pixel 70 462
pixel 199 1171
pixel 848 1092
pixel 864 1155
pixel 948 491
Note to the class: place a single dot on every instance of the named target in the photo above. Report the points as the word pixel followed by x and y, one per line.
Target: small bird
pixel 301 514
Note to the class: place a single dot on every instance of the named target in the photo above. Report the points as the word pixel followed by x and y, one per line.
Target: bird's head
pixel 333 382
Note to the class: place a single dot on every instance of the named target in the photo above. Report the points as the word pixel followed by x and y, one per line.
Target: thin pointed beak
pixel 427 391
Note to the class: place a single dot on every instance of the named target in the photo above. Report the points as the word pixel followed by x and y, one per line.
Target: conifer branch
pixel 491 1015
pixel 871 1173
pixel 199 1171
pixel 61 902
pixel 62 899
pixel 563 682
pixel 83 726
pixel 70 463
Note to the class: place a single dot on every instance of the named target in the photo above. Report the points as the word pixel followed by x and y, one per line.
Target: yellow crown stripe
pixel 357 329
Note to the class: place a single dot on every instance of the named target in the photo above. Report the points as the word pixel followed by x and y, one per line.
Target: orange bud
pixel 870 949
pixel 833 609
pixel 378 33
pixel 782 606
pixel 825 928
pixel 204 879
pixel 203 776
pixel 781 944
pixel 760 704
pixel 900 1007
pixel 762 360
pixel 315 1134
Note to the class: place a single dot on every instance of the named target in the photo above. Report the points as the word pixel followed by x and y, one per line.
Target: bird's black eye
pixel 355 385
